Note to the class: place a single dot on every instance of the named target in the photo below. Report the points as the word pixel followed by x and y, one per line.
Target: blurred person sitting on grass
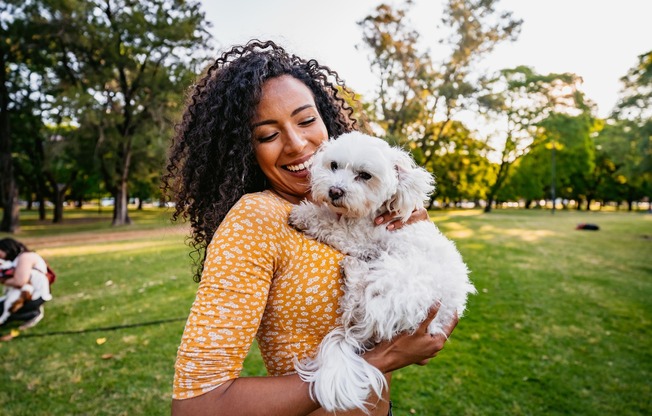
pixel 26 266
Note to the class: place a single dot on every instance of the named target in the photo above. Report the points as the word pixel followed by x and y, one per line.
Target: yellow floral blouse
pixel 262 279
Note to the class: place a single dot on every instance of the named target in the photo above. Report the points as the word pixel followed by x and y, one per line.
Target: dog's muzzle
pixel 335 193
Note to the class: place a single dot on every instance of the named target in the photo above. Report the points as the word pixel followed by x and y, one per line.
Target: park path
pixel 92 237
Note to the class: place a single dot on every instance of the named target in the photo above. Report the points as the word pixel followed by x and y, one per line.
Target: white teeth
pixel 301 166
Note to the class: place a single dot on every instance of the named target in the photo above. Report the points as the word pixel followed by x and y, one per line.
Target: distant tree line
pixel 548 142
pixel 90 91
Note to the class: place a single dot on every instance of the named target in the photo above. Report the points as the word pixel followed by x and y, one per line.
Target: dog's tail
pixel 339 378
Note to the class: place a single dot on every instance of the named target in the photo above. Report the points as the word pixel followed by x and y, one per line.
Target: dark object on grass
pixel 590 227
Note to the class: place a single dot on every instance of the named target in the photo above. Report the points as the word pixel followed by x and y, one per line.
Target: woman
pixel 28 265
pixel 238 163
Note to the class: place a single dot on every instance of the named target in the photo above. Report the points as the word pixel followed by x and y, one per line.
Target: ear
pixel 415 184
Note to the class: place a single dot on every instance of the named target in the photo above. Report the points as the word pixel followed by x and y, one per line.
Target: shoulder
pixel 263 206
pixel 259 213
pixel 266 200
pixel 29 257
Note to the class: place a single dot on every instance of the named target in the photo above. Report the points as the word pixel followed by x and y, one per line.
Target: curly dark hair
pixel 211 162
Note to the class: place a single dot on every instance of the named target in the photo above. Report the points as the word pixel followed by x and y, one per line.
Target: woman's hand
pixel 393 223
pixel 407 349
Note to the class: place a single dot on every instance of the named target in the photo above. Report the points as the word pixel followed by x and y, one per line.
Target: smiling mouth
pixel 300 167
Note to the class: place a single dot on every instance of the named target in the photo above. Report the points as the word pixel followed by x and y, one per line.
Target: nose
pixel 335 193
pixel 295 142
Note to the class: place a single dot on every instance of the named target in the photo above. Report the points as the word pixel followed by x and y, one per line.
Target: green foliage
pixel 114 70
pixel 460 165
pixel 574 160
pixel 418 98
pixel 533 107
pixel 636 97
pixel 625 153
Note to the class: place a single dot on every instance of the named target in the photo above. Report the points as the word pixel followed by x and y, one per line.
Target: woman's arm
pixel 284 395
pixel 25 262
pixel 289 395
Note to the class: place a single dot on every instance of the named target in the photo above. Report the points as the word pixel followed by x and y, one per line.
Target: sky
pixel 598 40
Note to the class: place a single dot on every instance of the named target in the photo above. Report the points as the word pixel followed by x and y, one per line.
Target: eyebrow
pixel 294 113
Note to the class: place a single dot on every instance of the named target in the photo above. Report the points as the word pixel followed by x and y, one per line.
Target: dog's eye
pixel 333 165
pixel 364 176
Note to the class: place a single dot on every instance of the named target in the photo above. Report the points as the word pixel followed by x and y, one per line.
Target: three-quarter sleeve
pixel 231 299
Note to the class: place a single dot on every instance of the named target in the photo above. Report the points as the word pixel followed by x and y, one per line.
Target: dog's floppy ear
pixel 414 185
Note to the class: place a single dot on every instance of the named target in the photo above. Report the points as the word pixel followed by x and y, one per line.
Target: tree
pixel 461 167
pixel 125 78
pixel 522 99
pixel 417 98
pixel 560 161
pixel 18 58
pixel 624 147
pixel 634 130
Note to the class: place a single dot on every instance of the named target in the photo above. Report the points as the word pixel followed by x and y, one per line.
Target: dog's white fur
pixel 14 297
pixel 392 278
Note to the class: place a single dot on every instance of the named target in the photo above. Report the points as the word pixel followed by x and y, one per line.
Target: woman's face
pixel 287 131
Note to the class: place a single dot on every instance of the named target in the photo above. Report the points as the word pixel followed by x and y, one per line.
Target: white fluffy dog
pixel 392 278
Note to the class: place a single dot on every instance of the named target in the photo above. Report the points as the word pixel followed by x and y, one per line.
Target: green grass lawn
pixel 561 324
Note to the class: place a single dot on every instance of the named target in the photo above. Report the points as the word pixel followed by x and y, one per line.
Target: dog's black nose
pixel 335 193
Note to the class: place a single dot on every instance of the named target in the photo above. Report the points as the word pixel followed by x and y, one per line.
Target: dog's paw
pixel 297 220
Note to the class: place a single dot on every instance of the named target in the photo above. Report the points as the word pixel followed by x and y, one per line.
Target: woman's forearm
pixel 269 396
pixel 17 281
pixel 284 395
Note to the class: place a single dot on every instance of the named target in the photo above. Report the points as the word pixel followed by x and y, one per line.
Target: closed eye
pixel 363 176
pixel 308 121
pixel 267 138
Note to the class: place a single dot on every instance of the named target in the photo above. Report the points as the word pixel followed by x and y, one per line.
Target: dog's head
pixel 358 175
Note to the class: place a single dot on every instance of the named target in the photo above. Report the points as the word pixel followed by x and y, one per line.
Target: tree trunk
pixel 40 198
pixel 11 209
pixel 58 194
pixel 120 207
pixel 8 186
pixel 493 190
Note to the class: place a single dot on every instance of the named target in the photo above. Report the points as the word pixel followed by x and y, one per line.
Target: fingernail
pixel 379 220
pixel 390 226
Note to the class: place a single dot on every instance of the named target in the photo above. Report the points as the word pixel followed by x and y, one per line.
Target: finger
pixel 432 312
pixel 419 214
pixel 395 225
pixel 449 327
pixel 383 218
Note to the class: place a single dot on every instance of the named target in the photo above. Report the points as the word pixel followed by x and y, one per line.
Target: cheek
pixel 319 133
pixel 265 155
